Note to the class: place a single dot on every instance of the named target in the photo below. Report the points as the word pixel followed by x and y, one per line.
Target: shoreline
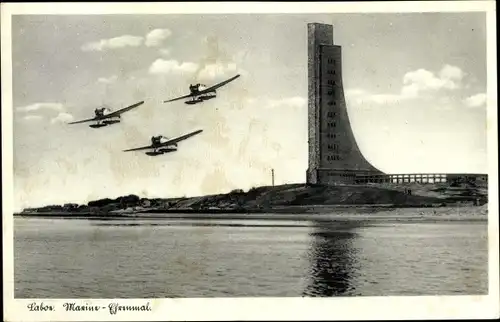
pixel 271 201
pixel 317 213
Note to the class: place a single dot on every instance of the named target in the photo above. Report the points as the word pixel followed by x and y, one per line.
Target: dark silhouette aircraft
pixel 198 96
pixel 160 144
pixel 105 116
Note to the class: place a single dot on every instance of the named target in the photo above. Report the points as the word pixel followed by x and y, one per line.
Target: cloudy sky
pixel 415 85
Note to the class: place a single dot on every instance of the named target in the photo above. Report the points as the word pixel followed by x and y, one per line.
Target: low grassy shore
pixel 287 201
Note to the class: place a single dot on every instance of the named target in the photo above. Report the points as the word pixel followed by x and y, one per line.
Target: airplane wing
pixel 123 110
pixel 181 138
pixel 213 88
pixel 141 148
pixel 207 90
pixel 83 121
pixel 178 98
pixel 169 142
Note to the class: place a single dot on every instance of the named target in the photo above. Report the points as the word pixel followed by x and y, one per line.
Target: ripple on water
pixel 79 259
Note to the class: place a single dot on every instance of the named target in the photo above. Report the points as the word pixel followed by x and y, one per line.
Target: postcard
pixel 249 161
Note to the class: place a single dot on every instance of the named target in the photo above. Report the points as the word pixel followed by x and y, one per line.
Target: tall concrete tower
pixel 334 156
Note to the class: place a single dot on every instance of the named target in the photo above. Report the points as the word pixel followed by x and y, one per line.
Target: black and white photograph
pixel 167 154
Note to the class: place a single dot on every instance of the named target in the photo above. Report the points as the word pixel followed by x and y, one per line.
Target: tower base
pixel 336 176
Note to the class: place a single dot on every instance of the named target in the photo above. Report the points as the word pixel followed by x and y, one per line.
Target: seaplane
pixel 199 94
pixel 161 144
pixel 105 116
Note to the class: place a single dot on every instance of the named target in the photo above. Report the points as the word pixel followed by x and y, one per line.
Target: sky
pixel 415 86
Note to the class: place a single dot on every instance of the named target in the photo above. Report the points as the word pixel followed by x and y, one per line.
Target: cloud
pixel 415 84
pixel 451 73
pixel 41 106
pixel 107 80
pixel 152 39
pixel 112 43
pixel 218 70
pixel 32 118
pixel 156 37
pixel 62 118
pixel 422 80
pixel 161 66
pixel 164 52
pixel 477 100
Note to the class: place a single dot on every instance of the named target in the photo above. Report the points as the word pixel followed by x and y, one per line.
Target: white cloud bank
pixel 415 84
pixel 41 106
pixel 477 100
pixel 113 43
pixel 52 109
pixel 62 118
pixel 156 37
pixel 203 73
pixel 162 66
pixel 219 70
pixel 152 39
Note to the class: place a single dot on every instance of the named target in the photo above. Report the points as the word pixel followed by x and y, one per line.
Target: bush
pixel 129 200
pixel 100 202
pixel 253 190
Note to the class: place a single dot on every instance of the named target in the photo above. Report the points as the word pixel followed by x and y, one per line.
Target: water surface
pixel 136 258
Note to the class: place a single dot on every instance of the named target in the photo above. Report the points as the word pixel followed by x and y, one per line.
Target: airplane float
pixel 104 116
pixel 161 144
pixel 198 96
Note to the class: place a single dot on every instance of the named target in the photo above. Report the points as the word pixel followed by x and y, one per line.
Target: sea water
pixel 160 258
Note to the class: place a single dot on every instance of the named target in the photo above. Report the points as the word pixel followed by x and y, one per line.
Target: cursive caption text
pixel 111 308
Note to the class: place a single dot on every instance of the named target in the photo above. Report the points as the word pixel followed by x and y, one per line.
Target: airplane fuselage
pixel 157 142
pixel 102 119
pixel 102 112
pixel 201 98
pixel 162 150
pixel 104 122
pixel 199 93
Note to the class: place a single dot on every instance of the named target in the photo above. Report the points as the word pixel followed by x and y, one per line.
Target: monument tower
pixel 334 156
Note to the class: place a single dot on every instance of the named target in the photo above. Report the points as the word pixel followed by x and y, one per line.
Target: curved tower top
pixel 334 156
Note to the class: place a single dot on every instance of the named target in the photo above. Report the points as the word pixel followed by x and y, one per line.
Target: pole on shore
pixel 272 176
